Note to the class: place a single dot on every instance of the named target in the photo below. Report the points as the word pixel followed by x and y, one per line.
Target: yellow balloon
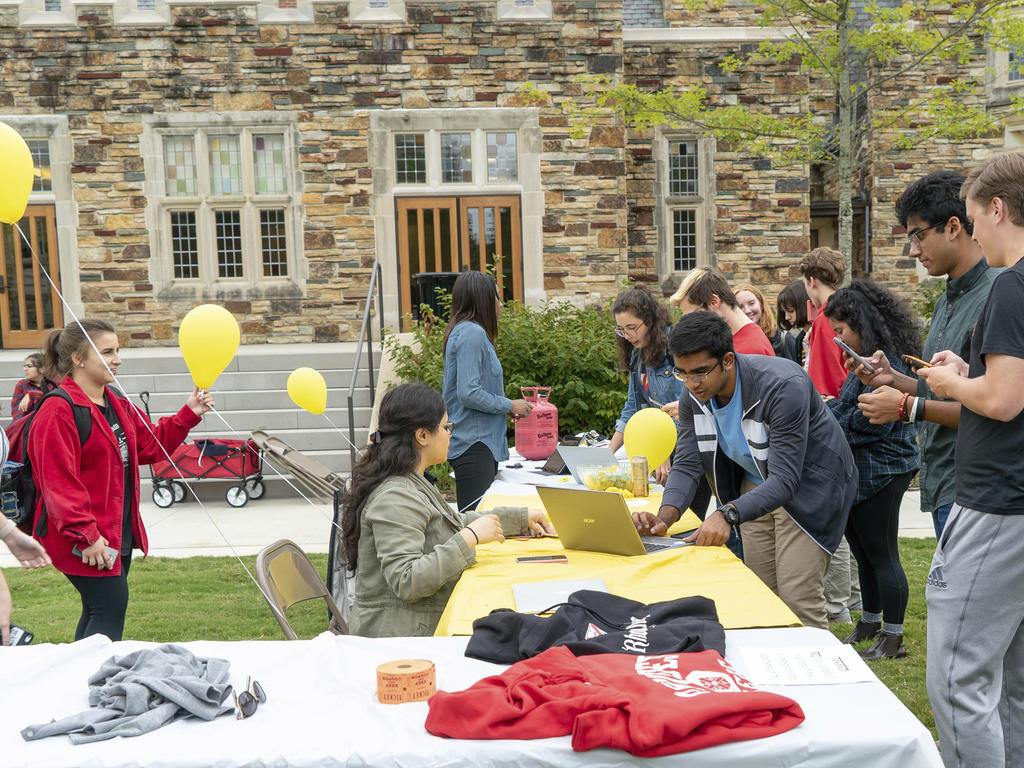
pixel 208 339
pixel 650 432
pixel 16 170
pixel 308 390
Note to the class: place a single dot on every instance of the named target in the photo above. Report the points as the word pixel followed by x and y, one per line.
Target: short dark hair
pixel 700 332
pixel 934 199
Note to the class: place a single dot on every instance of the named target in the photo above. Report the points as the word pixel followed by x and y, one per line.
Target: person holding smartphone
pixel 865 316
pixel 88 493
pixel 403 544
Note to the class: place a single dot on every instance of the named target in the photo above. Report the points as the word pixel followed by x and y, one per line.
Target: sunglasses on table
pixel 248 700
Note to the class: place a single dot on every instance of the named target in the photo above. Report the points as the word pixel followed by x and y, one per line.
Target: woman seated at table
pixel 405 545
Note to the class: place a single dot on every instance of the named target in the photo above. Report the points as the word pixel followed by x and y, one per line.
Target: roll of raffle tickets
pixel 405 680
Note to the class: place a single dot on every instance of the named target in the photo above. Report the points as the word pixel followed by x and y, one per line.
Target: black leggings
pixel 474 470
pixel 871 531
pixel 104 602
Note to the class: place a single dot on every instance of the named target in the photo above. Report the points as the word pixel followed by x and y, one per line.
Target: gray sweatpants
pixel 975 598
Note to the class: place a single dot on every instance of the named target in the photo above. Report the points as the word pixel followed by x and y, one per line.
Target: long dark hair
pixel 793 296
pixel 474 298
pixel 882 320
pixel 655 315
pixel 392 451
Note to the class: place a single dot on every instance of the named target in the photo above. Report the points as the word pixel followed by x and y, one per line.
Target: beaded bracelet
pixel 902 415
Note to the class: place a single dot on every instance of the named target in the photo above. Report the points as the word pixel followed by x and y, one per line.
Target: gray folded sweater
pixel 137 693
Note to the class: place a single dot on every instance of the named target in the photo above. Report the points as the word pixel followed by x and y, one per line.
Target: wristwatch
pixel 728 510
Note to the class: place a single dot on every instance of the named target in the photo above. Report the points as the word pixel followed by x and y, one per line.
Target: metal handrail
pixel 365 333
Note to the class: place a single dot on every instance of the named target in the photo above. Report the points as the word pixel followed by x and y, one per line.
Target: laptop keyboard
pixel 652 543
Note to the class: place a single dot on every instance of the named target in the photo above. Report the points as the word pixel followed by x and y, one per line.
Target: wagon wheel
pixel 179 490
pixel 163 496
pixel 255 487
pixel 237 496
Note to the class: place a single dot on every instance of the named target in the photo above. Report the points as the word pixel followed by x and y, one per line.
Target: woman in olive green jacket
pixel 404 544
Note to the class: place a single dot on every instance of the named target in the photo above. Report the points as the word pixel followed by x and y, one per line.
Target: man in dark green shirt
pixel 935 218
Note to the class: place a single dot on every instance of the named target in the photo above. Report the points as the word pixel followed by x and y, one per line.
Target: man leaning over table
pixel 776 459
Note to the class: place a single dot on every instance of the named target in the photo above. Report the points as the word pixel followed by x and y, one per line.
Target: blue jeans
pixel 939 515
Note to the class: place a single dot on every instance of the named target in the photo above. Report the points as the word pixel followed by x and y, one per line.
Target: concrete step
pixel 251 394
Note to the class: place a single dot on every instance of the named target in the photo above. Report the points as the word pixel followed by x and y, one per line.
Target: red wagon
pixel 209 458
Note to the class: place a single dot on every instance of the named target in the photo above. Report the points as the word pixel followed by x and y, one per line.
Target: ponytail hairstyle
pixel 74 339
pixel 392 451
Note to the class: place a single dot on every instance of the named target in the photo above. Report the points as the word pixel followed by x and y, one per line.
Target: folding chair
pixel 286 577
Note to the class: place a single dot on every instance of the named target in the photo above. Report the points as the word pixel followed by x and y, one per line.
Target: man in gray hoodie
pixel 776 459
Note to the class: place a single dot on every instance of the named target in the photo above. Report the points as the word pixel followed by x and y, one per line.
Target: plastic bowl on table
pixel 607 477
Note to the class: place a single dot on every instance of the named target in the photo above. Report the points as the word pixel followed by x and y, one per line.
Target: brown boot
pixel 865 630
pixel 886 647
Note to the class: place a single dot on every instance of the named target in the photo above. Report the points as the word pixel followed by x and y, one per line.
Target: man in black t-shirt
pixel 975 610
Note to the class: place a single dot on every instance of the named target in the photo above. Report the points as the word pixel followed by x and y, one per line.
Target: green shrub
pixel 569 349
pixel 924 303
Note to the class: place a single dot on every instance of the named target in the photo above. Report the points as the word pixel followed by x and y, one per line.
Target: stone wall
pixel 329 74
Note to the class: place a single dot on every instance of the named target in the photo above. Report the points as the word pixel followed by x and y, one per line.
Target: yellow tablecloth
pixel 742 599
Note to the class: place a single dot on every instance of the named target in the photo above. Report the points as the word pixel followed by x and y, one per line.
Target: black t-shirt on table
pixel 122 443
pixel 990 453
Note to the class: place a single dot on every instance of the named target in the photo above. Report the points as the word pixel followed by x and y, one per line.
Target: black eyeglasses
pixel 914 236
pixel 629 330
pixel 248 700
pixel 697 377
pixel 449 427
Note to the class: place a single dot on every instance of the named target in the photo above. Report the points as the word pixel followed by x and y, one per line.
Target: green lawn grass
pixel 212 598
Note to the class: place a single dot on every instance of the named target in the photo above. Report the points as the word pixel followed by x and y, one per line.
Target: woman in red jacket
pixel 87 503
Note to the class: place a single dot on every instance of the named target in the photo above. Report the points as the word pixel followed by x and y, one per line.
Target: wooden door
pixel 29 305
pixel 453 234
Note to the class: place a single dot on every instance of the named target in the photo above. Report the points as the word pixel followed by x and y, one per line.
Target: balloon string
pixel 358 450
pixel 280 474
pixel 145 420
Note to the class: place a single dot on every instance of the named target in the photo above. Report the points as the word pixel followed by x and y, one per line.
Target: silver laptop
pixel 576 456
pixel 598 521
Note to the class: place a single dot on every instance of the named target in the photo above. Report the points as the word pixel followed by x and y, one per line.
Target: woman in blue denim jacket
pixel 643 326
pixel 474 387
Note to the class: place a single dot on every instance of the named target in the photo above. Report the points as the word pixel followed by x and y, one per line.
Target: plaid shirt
pixel 34 392
pixel 880 450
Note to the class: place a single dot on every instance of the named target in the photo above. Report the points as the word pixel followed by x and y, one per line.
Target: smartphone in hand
pixel 20 635
pixel 111 553
pixel 916 362
pixel 846 348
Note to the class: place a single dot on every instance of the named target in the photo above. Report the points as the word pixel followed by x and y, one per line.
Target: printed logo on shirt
pixel 935 578
pixel 636 635
pixel 593 631
pixel 664 670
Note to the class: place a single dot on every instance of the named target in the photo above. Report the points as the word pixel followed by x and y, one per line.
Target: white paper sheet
pixel 806 665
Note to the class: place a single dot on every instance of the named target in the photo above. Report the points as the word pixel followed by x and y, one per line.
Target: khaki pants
pixel 790 562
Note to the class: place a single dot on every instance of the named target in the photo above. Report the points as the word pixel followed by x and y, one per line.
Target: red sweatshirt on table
pixel 646 705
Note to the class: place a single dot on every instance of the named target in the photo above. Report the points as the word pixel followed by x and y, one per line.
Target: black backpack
pixel 21 482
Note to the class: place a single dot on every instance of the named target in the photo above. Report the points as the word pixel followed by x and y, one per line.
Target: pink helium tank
pixel 537 434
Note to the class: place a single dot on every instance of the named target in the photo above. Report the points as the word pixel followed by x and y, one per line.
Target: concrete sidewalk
pixel 189 529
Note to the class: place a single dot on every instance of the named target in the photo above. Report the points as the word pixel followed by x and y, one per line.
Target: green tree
pixel 849 56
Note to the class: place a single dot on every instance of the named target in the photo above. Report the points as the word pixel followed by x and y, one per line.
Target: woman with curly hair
pixel 642 326
pixel 402 542
pixel 868 317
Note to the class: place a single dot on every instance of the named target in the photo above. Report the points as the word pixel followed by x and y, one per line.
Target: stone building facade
pixel 264 153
